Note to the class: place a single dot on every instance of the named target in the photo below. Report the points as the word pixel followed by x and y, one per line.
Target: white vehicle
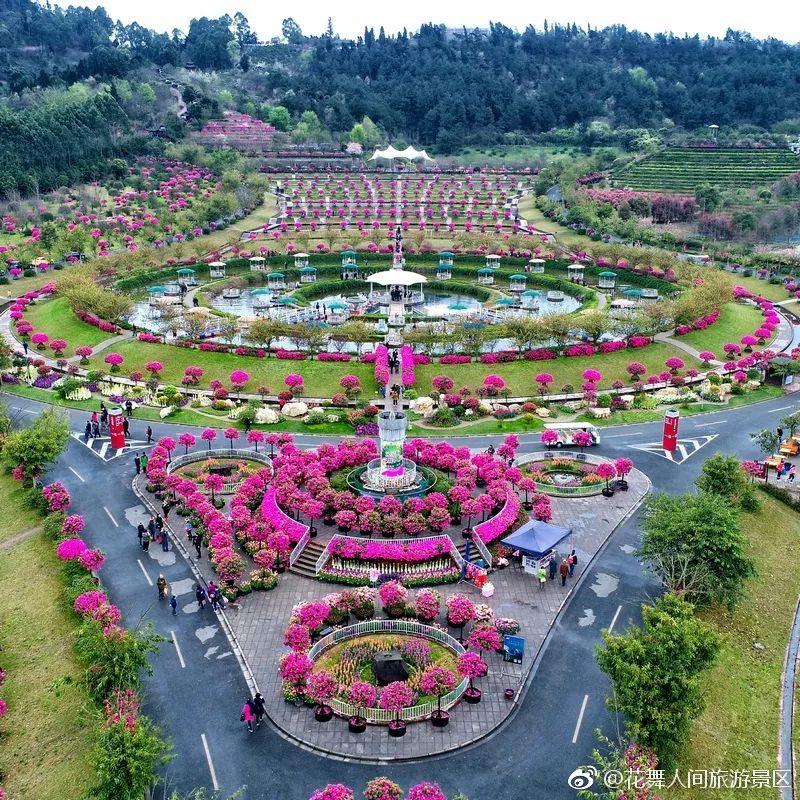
pixel 566 430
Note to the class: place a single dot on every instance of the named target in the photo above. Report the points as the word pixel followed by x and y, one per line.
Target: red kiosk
pixel 115 419
pixel 670 441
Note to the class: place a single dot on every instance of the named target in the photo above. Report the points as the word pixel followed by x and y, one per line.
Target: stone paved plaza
pixel 261 618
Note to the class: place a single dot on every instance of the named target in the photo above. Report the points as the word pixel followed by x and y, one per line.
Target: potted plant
pixel 320 687
pixel 361 695
pixel 607 471
pixel 393 598
pixel 294 670
pixel 527 485
pixel 471 666
pixel 382 789
pixel 486 637
pixel 363 606
pixel 395 697
pixel 438 681
pixel 623 467
pixel 427 605
pixel 460 610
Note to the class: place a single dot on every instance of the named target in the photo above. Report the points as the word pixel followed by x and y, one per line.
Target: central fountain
pixel 391 473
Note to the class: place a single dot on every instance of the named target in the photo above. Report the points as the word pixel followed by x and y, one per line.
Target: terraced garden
pixel 677 169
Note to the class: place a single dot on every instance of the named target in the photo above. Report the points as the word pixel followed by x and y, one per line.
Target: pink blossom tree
pixel 255 438
pixel 544 379
pixel 395 697
pixel 208 435
pixel 187 440
pixel 549 438
pixel 437 681
pixel 472 666
pixel 231 434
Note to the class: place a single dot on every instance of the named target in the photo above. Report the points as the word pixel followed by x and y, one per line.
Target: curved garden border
pixel 378 716
pixel 204 455
pixel 565 491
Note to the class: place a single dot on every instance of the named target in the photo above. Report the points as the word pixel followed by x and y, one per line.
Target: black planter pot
pixel 527 505
pixel 344 529
pixel 312 532
pixel 356 724
pixel 327 521
pixel 472 696
pixel 440 719
pixel 622 484
pixel 323 713
pixel 608 492
pixel 280 570
pixel 466 533
pixel 509 694
pixel 480 483
pixel 397 728
pixel 456 520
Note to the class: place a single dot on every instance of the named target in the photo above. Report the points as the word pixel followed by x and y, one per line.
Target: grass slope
pixel 55 318
pixel 16 516
pixel 46 735
pixel 739 727
pixel 735 321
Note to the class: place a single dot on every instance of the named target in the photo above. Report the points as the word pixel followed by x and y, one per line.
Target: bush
pixel 781 494
pixel 443 417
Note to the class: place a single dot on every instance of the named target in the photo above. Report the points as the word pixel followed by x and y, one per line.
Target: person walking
pixel 197 541
pixel 200 596
pixel 553 565
pixel 161 585
pixel 151 527
pixel 188 530
pixel 563 570
pixel 104 418
pixel 541 576
pixel 149 434
pixel 140 532
pixel 173 604
pixel 159 523
pixel 165 507
pixel 125 428
pixel 146 540
pixel 138 464
pixel 87 431
pixel 572 561
pixel 25 346
pixel 792 472
pixel 164 541
pixel 128 408
pixel 143 458
pixel 259 708
pixel 247 714
pixel 95 430
pixel 94 417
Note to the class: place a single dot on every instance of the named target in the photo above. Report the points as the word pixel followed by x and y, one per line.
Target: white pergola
pixel 396 277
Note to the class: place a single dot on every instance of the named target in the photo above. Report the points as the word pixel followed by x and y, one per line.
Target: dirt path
pixel 20 537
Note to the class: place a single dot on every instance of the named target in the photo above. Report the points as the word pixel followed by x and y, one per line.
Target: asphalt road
pixel 197 688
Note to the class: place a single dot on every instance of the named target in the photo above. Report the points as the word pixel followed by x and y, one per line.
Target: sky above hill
pixel 765 19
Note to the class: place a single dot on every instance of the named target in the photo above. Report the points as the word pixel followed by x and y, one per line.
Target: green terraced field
pixel 676 169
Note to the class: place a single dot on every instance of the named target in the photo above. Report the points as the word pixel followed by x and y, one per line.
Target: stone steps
pixel 308 559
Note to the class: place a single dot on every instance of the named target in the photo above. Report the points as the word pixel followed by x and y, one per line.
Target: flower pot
pixel 527 505
pixel 508 694
pixel 472 695
pixel 397 728
pixel 608 492
pixel 356 724
pixel 312 532
pixel 327 520
pixel 323 713
pixel 344 529
pixel 480 483
pixel 440 719
pixel 466 533
pixel 622 484
pixel 280 570
pixel 456 520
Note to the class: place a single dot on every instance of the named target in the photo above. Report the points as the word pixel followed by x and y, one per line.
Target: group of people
pixel 97 424
pixel 153 532
pixel 253 710
pixel 566 569
pixel 787 470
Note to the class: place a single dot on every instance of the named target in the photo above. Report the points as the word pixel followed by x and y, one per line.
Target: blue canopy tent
pixel 536 538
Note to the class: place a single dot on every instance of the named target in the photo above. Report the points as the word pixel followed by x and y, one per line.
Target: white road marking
pixel 178 650
pixel 580 719
pixel 146 576
pixel 782 408
pixel 111 517
pixel 604 584
pixel 709 424
pixel 214 782
pixel 206 633
pixel 23 410
pixel 623 435
pixel 77 475
pixel 685 448
pixel 614 621
pixel 587 618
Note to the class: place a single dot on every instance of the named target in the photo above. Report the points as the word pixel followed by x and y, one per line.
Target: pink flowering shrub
pixel 57 496
pixel 426 791
pixel 460 610
pixel 69 549
pixel 396 696
pixel 485 637
pixel 382 789
pixel 392 593
pixel 333 791
pixel 73 525
pixel 91 559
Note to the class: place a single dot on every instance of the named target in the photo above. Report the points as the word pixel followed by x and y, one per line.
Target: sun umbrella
pixel 506 301
pixel 156 289
pixel 287 301
pixel 261 290
pixel 458 307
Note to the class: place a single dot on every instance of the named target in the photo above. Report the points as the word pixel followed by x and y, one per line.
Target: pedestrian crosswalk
pixel 684 449
pixel 101 446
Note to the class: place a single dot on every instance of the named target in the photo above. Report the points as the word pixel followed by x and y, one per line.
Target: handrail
pixel 323 557
pixel 379 715
pixel 298 548
pixel 483 550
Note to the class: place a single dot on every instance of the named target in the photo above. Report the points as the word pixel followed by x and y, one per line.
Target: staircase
pixel 474 553
pixel 308 559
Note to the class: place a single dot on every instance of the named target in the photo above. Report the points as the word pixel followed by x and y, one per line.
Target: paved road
pixel 196 695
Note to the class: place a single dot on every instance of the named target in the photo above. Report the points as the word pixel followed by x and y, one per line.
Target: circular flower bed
pixel 346 657
pixel 568 477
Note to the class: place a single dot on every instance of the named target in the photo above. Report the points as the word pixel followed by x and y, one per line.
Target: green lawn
pixel 321 378
pixel 735 321
pixel 55 318
pixel 519 375
pixel 15 515
pixel 46 736
pixel 528 210
pixel 771 291
pixel 486 427
pixel 739 727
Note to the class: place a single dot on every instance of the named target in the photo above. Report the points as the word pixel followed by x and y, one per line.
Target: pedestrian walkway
pixel 260 622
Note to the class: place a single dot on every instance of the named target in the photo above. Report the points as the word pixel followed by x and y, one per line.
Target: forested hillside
pixel 438 87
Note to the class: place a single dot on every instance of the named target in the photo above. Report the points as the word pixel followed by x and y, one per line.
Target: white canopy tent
pixel 390 153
